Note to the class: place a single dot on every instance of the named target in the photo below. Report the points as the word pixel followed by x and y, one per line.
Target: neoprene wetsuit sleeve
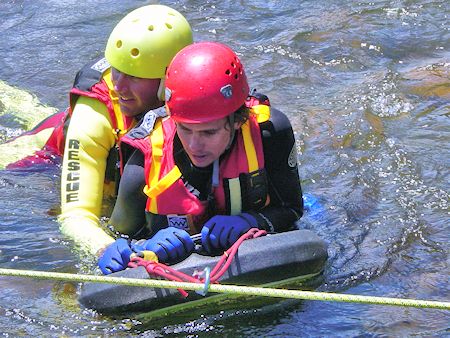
pixel 280 157
pixel 128 216
pixel 89 139
pixel 24 145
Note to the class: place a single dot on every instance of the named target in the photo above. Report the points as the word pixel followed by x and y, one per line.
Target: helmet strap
pixel 215 174
pixel 162 89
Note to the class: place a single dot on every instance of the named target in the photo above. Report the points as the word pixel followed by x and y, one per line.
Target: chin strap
pixel 211 200
pixel 162 89
pixel 215 174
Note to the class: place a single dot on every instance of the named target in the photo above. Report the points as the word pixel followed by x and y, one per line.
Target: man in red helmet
pixel 223 162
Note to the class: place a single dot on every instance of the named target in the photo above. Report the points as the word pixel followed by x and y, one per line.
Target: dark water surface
pixel 366 86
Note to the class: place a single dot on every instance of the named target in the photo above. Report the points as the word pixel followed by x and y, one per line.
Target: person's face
pixel 136 95
pixel 205 142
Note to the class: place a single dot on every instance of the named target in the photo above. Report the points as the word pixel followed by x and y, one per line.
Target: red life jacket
pixel 94 81
pixel 167 192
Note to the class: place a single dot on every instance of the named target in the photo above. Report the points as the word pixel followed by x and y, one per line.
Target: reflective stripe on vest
pixel 118 118
pixel 250 150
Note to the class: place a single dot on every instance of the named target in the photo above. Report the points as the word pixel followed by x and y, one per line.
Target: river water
pixel 366 86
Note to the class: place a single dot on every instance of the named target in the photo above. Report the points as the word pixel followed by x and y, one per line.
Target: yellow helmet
pixel 144 42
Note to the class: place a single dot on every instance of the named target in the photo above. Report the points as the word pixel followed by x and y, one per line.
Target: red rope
pixel 165 271
pixel 227 258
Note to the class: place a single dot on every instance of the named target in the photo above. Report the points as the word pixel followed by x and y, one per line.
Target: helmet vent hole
pixel 236 76
pixel 151 28
pixel 228 72
pixel 168 25
pixel 233 65
pixel 135 52
pixel 119 44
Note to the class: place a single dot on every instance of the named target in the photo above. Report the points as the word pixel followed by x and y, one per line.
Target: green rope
pixel 231 289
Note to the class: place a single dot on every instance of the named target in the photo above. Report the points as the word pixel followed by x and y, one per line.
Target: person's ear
pixel 237 125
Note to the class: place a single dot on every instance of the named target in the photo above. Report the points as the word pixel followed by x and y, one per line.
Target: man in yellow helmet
pixel 108 98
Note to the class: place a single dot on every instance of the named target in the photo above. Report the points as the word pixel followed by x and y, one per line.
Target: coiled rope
pixel 205 277
pixel 231 289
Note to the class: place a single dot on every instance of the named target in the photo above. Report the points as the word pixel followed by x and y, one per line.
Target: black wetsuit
pixel 286 204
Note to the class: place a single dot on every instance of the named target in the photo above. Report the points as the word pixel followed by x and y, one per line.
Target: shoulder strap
pixel 147 124
pixel 90 74
pixel 156 186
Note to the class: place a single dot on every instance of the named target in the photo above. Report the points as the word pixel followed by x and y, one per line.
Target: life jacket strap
pixel 119 127
pixel 163 184
pixel 249 146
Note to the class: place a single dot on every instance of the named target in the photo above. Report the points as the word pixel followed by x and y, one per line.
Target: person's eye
pixel 135 79
pixel 183 130
pixel 210 132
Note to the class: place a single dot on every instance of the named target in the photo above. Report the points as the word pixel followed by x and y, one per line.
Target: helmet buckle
pixel 168 94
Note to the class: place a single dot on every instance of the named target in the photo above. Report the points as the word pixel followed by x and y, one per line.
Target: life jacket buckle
pixel 178 221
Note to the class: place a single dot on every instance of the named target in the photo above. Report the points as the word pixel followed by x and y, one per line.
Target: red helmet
pixel 205 82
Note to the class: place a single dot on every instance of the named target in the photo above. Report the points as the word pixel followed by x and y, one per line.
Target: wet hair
pixel 241 115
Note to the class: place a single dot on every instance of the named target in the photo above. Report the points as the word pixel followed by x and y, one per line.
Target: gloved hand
pixel 170 244
pixel 221 232
pixel 115 257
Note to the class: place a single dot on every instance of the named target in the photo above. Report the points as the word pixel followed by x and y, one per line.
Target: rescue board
pixel 267 259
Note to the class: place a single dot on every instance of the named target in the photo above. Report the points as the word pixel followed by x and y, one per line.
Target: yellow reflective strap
pixel 169 179
pixel 250 150
pixel 157 186
pixel 115 103
pixel 157 142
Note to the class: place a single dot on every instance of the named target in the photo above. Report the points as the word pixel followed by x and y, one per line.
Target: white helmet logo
pixel 227 91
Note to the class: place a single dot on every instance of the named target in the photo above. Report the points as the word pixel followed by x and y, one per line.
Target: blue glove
pixel 169 244
pixel 309 201
pixel 313 206
pixel 116 257
pixel 221 232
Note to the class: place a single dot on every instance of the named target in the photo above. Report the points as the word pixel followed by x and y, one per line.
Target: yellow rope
pixel 231 289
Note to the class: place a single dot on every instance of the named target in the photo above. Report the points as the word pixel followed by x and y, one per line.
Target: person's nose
pixel 196 142
pixel 120 82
